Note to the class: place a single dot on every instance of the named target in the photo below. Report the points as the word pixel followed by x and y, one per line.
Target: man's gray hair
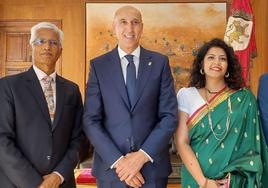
pixel 45 25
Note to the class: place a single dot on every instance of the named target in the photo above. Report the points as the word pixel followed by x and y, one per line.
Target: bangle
pixel 205 184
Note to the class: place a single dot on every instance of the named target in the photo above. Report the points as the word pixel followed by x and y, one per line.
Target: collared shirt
pixel 124 61
pixel 124 64
pixel 40 75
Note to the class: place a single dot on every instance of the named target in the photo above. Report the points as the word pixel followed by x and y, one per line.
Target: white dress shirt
pixel 40 75
pixel 124 61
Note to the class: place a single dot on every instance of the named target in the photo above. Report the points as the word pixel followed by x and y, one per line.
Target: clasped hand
pixel 50 181
pixel 128 168
pixel 216 183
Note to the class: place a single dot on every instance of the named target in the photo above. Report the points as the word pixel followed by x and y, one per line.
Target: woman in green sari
pixel 219 138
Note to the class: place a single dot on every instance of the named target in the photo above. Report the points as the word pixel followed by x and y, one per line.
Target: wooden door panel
pixel 15 50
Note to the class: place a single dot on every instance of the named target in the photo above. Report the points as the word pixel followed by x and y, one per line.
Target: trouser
pixel 158 183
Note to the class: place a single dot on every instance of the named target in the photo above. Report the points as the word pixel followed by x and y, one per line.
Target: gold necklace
pixel 214 92
pixel 224 133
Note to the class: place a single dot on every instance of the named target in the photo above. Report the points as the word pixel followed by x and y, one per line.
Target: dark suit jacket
pixel 30 146
pixel 115 129
pixel 263 103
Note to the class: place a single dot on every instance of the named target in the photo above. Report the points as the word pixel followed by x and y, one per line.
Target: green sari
pixel 242 153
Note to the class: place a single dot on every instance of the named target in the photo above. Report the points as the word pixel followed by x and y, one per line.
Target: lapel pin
pixel 150 63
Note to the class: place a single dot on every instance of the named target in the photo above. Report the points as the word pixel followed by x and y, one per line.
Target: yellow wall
pixel 260 63
pixel 72 14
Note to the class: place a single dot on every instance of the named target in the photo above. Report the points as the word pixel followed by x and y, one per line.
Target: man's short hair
pixel 45 25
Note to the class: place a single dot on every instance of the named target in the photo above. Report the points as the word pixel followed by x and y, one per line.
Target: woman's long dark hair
pixel 235 79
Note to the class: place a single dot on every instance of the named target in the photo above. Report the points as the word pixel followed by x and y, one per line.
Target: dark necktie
pixel 131 79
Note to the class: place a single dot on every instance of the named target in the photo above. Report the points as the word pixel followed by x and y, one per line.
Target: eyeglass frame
pixel 40 42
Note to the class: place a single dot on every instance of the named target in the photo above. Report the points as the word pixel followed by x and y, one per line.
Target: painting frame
pixel 180 73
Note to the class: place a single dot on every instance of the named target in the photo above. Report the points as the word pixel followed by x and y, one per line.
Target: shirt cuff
pixel 150 158
pixel 112 166
pixel 61 177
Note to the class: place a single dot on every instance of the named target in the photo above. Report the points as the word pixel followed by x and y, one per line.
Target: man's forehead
pixel 47 32
pixel 128 13
pixel 128 18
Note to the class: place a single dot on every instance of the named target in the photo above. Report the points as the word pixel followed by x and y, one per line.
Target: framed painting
pixel 174 28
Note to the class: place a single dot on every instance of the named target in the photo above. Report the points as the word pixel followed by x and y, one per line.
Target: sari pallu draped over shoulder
pixel 239 153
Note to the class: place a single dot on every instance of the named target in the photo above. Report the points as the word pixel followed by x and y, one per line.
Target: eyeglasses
pixel 39 42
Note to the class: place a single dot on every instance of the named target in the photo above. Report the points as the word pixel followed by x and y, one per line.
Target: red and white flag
pixel 240 34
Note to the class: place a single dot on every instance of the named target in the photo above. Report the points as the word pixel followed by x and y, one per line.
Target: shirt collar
pixel 135 53
pixel 41 74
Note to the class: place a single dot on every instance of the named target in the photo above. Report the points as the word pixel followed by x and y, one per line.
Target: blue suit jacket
pixel 115 129
pixel 263 103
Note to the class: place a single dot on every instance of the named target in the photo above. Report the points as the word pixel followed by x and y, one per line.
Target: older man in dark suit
pixel 130 110
pixel 40 119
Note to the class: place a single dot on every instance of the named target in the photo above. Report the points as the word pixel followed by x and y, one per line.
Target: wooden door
pixel 15 50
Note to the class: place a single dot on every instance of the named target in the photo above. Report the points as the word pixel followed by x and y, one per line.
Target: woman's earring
pixel 227 75
pixel 202 71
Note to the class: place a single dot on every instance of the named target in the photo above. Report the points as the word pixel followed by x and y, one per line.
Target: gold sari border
pixel 213 102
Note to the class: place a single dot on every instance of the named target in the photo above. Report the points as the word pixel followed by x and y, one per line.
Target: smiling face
pixel 215 63
pixel 128 26
pixel 46 49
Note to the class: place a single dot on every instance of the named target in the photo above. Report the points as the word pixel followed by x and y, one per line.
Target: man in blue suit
pixel 130 110
pixel 263 103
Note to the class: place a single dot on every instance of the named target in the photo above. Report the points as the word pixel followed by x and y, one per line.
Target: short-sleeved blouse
pixel 189 100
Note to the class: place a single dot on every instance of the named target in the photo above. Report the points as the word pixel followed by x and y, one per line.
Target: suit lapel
pixel 34 86
pixel 145 67
pixel 117 75
pixel 60 95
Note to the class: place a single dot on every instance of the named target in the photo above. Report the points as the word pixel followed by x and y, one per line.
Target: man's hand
pixel 130 165
pixel 137 181
pixel 50 181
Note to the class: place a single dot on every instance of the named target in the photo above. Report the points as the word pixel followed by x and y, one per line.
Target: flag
pixel 240 34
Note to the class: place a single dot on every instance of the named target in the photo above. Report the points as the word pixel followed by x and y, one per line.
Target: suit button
pixel 48 157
